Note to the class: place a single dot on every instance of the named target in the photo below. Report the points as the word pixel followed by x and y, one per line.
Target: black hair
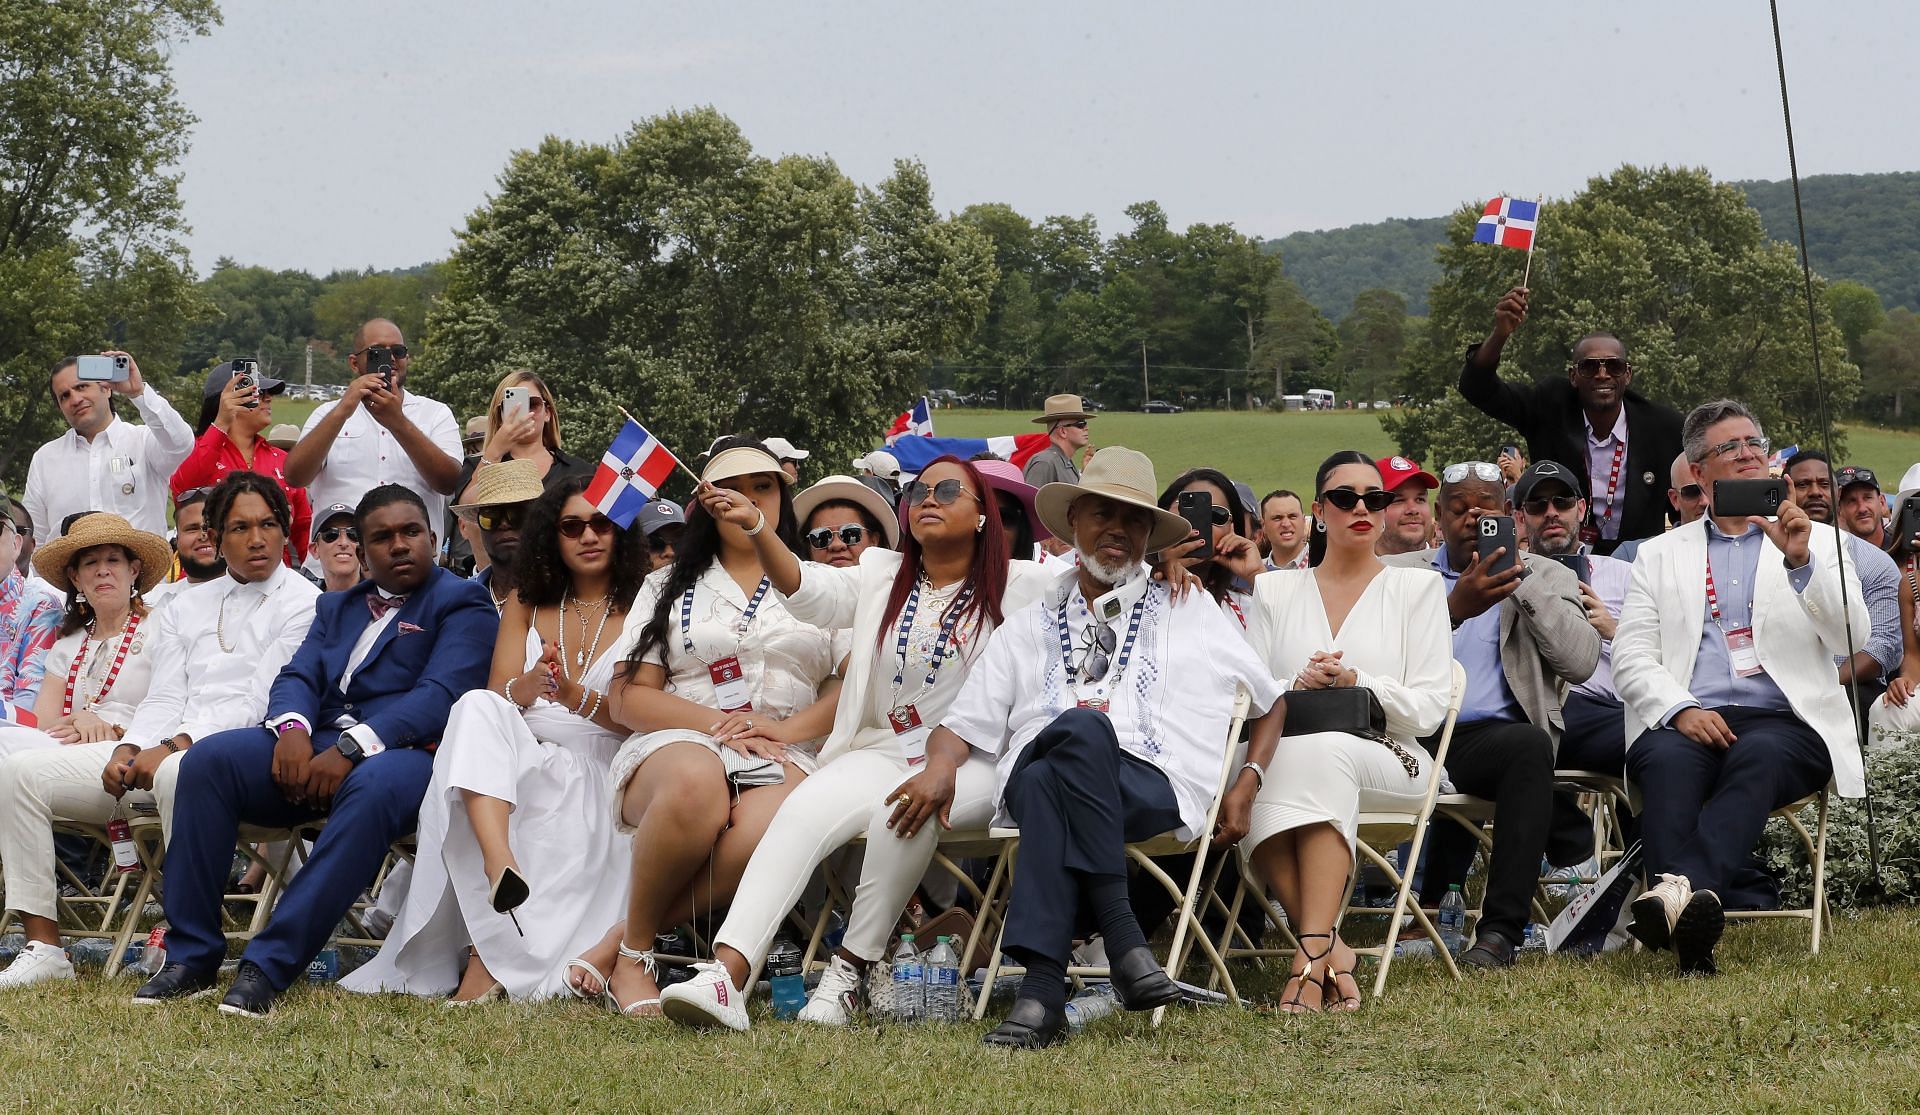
pixel 1599 335
pixel 540 574
pixel 866 518
pixel 699 545
pixel 387 495
pixel 66 524
pixel 1317 537
pixel 238 483
pixel 1216 578
pixel 1806 455
pixel 62 365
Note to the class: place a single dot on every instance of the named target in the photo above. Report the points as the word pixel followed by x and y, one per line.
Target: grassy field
pixel 1776 1031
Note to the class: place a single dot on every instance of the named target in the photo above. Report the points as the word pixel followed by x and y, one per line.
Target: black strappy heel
pixel 1304 978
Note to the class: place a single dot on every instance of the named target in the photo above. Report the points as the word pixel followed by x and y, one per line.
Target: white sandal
pixel 605 993
pixel 645 959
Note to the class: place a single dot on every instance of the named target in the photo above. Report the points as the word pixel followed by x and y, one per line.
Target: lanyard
pixel 1713 598
pixel 1609 506
pixel 1237 613
pixel 1126 648
pixel 113 671
pixel 739 626
pixel 947 624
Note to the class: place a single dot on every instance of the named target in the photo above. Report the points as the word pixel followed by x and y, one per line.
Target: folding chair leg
pixel 1818 853
pixel 998 880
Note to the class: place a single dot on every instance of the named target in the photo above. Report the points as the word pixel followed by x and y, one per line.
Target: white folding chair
pixel 1607 800
pixel 1815 843
pixel 1142 854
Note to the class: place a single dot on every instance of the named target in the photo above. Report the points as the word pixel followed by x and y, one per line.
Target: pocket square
pixel 408 628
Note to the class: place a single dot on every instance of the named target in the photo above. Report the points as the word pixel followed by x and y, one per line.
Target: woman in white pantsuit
pixel 920 619
pixel 518 858
pixel 1894 719
pixel 1350 621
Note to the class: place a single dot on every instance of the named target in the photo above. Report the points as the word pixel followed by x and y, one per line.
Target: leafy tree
pixel 1856 311
pixel 1373 340
pixel 1890 360
pixel 1676 265
pixel 90 127
pixel 706 289
pixel 1295 339
pixel 1864 227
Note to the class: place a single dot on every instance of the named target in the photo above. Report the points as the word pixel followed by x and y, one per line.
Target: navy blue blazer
pixel 438 646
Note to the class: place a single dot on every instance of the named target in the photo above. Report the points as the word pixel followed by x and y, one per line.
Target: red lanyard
pixel 1237 613
pixel 113 671
pixel 1713 598
pixel 1613 478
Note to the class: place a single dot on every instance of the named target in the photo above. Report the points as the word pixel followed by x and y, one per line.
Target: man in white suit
pixel 1724 658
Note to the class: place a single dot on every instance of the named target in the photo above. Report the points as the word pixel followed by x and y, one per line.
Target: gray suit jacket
pixel 1050 466
pixel 1546 643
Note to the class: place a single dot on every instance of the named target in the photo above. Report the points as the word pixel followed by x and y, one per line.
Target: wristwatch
pixel 350 747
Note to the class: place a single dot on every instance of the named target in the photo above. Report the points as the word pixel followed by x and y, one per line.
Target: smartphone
pixel 513 405
pixel 1510 450
pixel 1580 564
pixel 103 369
pixel 1749 497
pixel 1197 509
pixel 1496 531
pixel 1906 520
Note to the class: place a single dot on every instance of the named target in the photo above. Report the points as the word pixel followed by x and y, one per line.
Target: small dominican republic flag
pixel 1508 222
pixel 634 467
pixel 915 422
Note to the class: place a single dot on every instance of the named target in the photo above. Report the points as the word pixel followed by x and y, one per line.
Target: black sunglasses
pixel 944 493
pixel 1539 506
pixel 1692 491
pixel 331 535
pixel 1346 499
pixel 508 516
pixel 575 527
pixel 850 536
pixel 397 352
pixel 1593 366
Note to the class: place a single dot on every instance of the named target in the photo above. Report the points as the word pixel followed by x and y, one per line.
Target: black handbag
pixel 1349 709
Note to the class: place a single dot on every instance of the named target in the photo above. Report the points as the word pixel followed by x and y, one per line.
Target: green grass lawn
pixel 1777 1030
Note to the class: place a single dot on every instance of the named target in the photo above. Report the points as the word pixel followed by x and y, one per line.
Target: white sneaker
pixel 834 997
pixel 707 1000
pixel 37 963
pixel 1656 911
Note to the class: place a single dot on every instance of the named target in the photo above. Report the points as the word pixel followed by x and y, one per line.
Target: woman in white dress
pixel 727 692
pixel 519 864
pixel 1350 621
pixel 920 618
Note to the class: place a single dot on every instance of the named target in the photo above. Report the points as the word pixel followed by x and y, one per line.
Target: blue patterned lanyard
pixel 739 625
pixel 1126 649
pixel 947 624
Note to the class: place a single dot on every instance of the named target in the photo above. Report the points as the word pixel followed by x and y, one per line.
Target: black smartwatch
pixel 349 747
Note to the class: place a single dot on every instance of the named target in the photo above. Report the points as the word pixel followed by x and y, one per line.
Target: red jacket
pixel 214 455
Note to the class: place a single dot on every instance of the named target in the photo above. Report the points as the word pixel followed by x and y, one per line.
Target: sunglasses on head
pixel 849 535
pixel 1539 506
pixel 375 352
pixel 944 493
pixel 331 535
pixel 574 527
pixel 1479 470
pixel 1346 499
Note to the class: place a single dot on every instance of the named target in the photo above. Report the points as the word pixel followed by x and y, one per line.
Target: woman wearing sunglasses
pixel 841 518
pixel 517 848
pixel 1227 575
pixel 529 430
pixel 1349 621
pixel 727 690
pixel 920 618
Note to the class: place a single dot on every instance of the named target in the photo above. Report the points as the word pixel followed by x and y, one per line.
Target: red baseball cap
pixel 1395 471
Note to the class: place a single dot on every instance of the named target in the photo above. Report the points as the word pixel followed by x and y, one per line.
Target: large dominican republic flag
pixel 630 473
pixel 916 453
pixel 917 421
pixel 1508 222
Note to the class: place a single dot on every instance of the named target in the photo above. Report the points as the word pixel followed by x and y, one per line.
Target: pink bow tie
pixel 380 605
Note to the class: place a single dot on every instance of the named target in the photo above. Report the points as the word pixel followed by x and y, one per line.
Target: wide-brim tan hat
pixel 845 489
pixel 102 528
pixel 742 460
pixel 502 482
pixel 284 436
pixel 1062 408
pixel 1119 474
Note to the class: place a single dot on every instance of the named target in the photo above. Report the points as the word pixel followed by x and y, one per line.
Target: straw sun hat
pixel 1122 475
pixel 103 529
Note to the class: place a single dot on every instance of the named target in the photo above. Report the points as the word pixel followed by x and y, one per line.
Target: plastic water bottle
pixel 153 956
pixel 909 982
pixel 1090 1005
pixel 943 982
pixel 325 967
pixel 789 985
pixel 1453 920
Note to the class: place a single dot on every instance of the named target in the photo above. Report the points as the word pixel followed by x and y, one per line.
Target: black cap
pixel 222 372
pixel 1853 474
pixel 1538 473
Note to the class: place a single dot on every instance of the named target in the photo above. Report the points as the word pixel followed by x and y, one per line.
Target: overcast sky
pixel 347 133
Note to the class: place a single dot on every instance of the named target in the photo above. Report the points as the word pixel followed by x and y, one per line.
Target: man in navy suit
pixel 349 723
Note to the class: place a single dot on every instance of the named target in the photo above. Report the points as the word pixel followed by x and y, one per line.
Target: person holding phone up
pixel 102 463
pixel 236 407
pixel 522 424
pixel 1724 658
pixel 1521 633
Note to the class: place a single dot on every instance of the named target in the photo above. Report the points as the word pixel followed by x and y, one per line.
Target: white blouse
pixel 129 686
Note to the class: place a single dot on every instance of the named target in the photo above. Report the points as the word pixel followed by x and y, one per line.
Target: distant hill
pixel 1864 227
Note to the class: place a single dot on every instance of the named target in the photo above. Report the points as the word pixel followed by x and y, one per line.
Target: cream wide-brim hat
pixel 502 483
pixel 1119 474
pixel 101 528
pixel 845 489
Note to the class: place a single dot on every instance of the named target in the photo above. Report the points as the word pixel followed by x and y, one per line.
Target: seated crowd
pixel 593 735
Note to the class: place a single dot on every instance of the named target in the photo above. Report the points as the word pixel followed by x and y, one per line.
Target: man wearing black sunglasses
pixel 378 432
pixel 1590 421
pixel 498 500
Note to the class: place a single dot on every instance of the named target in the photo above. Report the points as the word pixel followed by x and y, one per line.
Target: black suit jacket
pixel 1549 417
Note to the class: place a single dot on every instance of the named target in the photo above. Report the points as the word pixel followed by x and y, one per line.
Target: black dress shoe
pixel 1696 931
pixel 1490 951
pixel 175 983
pixel 1029 1025
pixel 251 994
pixel 1140 983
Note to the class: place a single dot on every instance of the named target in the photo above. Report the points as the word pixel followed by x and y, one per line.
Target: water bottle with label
pixel 783 971
pixel 154 956
pixel 1452 922
pixel 943 982
pixel 325 968
pixel 909 982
